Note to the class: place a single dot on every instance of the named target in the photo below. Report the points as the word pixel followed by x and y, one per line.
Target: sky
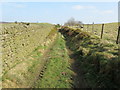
pixel 60 12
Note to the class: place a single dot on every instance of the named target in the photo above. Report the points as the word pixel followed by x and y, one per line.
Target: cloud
pixel 92 9
pixel 103 12
pixel 79 7
pixel 20 5
pixel 13 4
pixel 107 12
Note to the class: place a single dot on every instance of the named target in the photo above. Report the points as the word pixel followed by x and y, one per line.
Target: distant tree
pixel 72 22
pixel 16 22
pixel 57 25
pixel 27 23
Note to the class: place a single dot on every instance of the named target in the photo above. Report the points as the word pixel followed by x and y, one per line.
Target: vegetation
pixel 110 31
pixel 22 70
pixel 57 74
pixel 99 61
pixel 68 58
pixel 72 22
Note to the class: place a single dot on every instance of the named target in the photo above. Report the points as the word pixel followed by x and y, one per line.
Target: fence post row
pixel 117 41
pixel 102 31
pixel 118 36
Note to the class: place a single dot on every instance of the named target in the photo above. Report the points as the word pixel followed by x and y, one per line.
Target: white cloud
pixel 102 12
pixel 13 4
pixel 107 12
pixel 93 9
pixel 19 5
pixel 79 7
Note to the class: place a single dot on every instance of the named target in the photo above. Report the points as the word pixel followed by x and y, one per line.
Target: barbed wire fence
pixel 104 31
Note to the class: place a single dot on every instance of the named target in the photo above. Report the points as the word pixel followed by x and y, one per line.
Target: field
pixel 18 42
pixel 110 31
pixel 42 55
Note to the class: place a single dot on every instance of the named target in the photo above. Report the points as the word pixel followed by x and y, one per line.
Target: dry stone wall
pixel 19 40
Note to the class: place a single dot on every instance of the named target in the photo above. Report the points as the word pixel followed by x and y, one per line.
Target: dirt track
pixel 77 77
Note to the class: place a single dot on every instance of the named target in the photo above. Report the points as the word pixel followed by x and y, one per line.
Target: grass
pixel 18 42
pixel 57 74
pixel 98 60
pixel 23 74
pixel 109 34
pixel 36 54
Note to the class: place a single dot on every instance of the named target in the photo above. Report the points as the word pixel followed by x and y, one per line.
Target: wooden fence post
pixel 117 41
pixel 102 31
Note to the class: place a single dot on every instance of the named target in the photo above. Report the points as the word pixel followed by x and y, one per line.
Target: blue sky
pixel 60 12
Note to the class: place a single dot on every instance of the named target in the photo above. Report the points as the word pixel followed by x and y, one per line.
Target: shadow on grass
pixel 95 66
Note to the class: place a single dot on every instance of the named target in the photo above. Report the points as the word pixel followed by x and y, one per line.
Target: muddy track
pixel 45 61
pixel 78 78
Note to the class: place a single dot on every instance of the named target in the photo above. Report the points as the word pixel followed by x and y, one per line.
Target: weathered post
pixel 118 36
pixel 102 31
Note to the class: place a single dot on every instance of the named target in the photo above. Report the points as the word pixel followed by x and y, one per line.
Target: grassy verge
pixel 57 74
pixel 99 61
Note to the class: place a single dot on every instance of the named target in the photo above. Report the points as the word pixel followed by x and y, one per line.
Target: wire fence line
pixel 110 31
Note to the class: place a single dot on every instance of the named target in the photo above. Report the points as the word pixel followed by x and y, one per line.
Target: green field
pixel 41 55
pixel 109 34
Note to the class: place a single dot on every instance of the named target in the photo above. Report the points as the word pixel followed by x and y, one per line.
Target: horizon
pixel 57 23
pixel 59 12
